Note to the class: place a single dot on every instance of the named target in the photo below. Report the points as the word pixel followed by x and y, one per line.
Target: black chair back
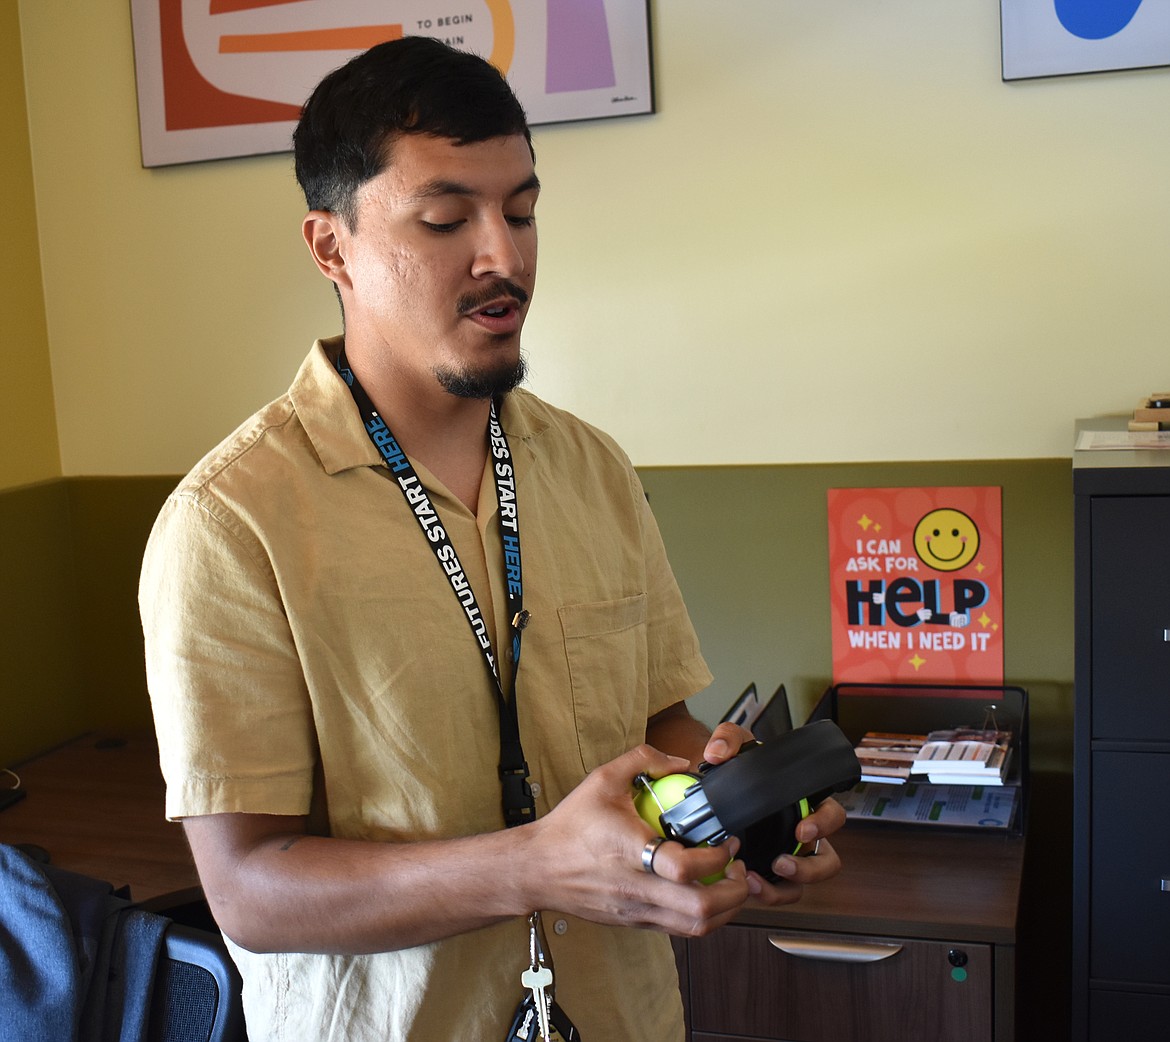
pixel 196 990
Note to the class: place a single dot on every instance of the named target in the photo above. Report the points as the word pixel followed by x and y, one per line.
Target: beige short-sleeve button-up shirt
pixel 304 653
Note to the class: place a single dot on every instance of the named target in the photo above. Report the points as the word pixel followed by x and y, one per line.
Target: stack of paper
pixel 964 757
pixel 887 757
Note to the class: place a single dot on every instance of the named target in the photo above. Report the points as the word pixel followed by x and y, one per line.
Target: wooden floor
pixel 95 805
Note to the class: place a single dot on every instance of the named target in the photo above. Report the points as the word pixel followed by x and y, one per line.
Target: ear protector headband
pixel 760 795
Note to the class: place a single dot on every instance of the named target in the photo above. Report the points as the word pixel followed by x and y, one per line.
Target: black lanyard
pixel 518 802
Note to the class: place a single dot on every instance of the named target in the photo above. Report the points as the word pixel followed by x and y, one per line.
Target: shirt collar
pixel 327 411
pixel 332 422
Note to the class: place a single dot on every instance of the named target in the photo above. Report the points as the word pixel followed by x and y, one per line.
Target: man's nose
pixel 498 252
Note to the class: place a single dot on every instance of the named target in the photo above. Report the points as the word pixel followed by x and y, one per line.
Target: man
pixel 326 595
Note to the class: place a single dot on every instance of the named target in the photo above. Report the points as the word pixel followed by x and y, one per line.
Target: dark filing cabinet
pixel 1121 777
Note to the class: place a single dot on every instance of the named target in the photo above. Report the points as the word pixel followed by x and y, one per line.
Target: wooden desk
pixel 96 805
pixel 913 880
pixel 948 900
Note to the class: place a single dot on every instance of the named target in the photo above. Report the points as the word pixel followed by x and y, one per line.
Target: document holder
pixel 919 709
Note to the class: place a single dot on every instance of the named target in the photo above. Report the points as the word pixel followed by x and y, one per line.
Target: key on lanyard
pixel 538 977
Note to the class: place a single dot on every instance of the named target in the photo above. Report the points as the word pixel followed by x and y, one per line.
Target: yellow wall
pixel 28 429
pixel 841 238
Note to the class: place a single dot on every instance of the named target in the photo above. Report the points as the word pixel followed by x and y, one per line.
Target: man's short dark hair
pixel 414 85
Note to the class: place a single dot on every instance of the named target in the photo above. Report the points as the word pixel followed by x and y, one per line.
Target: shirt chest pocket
pixel 605 645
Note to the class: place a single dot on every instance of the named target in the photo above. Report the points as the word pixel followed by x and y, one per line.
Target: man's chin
pixel 483 383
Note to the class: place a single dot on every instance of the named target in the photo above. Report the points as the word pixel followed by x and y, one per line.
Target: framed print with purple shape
pixel 223 78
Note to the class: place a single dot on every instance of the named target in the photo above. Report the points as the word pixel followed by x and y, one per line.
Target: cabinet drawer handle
pixel 833 951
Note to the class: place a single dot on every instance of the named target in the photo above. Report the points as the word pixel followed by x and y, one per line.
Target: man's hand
pixel 587 858
pixel 816 860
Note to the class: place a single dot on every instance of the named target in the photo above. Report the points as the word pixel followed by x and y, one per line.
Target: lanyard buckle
pixel 519 803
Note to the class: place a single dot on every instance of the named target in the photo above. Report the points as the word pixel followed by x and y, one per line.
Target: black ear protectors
pixel 760 795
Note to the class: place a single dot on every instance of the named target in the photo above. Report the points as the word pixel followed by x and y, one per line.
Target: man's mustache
pixel 481 298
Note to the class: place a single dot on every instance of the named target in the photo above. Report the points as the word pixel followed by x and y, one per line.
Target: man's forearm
pixel 272 887
pixel 288 891
pixel 676 732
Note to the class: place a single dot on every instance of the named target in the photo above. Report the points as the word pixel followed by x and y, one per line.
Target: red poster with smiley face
pixel 916 590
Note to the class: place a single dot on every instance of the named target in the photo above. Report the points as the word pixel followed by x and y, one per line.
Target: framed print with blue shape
pixel 1062 37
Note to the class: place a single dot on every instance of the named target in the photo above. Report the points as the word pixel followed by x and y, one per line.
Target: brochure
pixel 978 806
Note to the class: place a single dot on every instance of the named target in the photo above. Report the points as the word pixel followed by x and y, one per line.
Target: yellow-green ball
pixel 669 791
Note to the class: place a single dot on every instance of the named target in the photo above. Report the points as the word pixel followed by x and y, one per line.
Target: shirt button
pixel 535 786
pixel 560 926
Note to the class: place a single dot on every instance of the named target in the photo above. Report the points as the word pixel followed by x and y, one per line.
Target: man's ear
pixel 325 233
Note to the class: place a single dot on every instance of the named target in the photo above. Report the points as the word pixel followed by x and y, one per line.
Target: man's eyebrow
pixel 529 184
pixel 441 186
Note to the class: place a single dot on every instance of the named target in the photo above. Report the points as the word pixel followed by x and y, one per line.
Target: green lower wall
pixel 42 696
pixel 748 544
pixel 70 642
pixel 112 518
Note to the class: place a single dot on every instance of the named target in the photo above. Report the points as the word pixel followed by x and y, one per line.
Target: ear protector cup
pixel 760 795
pixel 654 796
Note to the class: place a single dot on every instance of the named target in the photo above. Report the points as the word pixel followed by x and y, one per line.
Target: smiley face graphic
pixel 946 540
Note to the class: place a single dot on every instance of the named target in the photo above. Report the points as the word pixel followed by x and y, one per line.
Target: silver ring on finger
pixel 648 852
